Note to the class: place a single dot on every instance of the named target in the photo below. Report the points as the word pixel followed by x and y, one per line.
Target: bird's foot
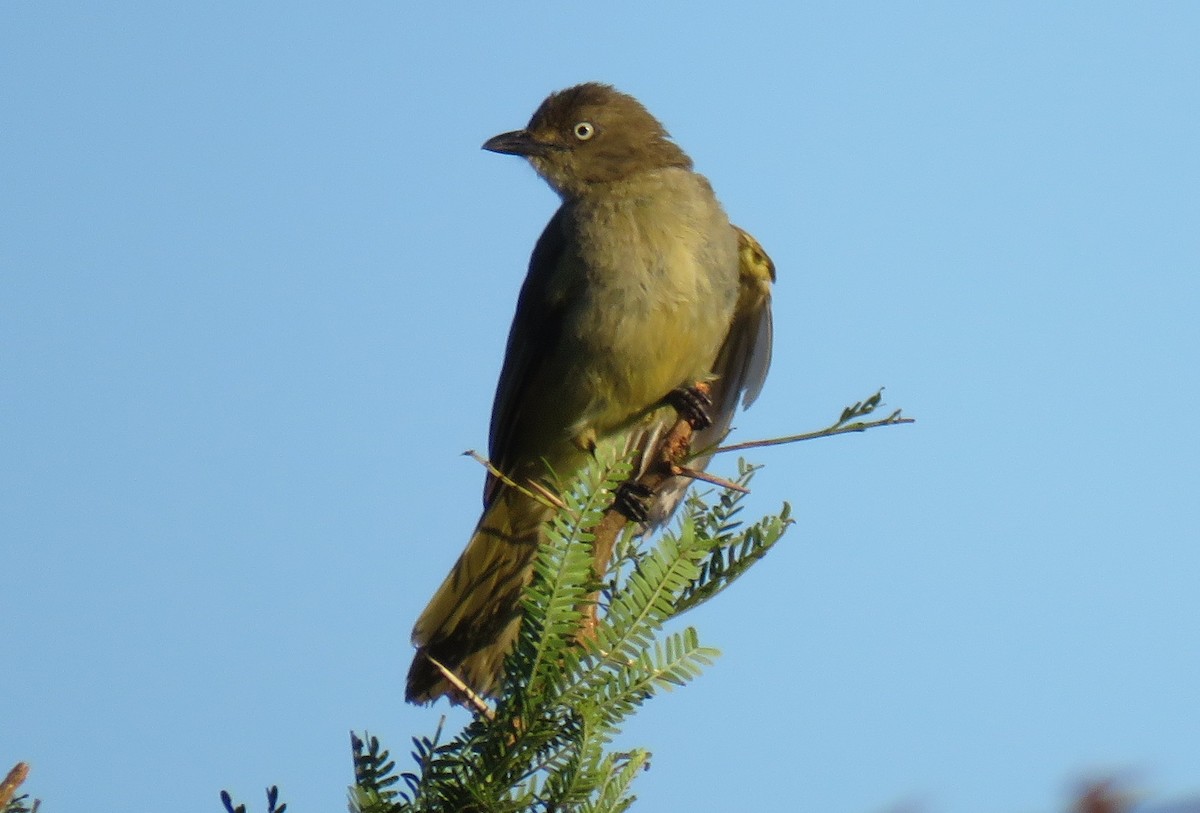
pixel 632 500
pixel 692 404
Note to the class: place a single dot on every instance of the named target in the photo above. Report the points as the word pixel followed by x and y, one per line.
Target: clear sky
pixel 255 280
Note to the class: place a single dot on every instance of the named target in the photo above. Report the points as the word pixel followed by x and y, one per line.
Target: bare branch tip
pixel 8 787
pixel 697 474
pixel 468 694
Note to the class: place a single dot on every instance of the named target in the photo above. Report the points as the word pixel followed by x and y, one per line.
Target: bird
pixel 638 288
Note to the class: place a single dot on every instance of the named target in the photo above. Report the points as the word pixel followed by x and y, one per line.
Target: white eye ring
pixel 584 130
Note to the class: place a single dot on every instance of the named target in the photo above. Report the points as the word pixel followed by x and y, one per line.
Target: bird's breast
pixel 654 273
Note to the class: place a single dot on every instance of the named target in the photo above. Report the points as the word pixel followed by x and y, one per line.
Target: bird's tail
pixel 472 620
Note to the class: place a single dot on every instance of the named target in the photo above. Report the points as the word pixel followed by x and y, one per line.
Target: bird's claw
pixel 692 404
pixel 632 500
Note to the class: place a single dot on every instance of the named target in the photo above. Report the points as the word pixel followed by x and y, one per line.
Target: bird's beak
pixel 518 142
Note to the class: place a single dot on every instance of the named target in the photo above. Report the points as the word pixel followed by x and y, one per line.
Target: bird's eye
pixel 584 130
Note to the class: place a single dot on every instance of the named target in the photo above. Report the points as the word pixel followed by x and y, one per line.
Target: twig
pixel 696 474
pixel 667 463
pixel 468 694
pixel 535 491
pixel 676 448
pixel 8 788
pixel 836 429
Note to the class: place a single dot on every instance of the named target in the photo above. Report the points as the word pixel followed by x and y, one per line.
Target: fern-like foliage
pixel 375 775
pixel 589 653
pixel 20 804
pixel 581 664
pixel 273 804
pixel 732 551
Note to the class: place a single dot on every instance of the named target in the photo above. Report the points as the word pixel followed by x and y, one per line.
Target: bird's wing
pixel 535 332
pixel 746 356
pixel 741 365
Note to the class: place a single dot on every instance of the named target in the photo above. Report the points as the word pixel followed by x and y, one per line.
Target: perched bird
pixel 638 288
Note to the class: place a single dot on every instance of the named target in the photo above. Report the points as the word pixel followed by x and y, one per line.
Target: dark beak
pixel 518 142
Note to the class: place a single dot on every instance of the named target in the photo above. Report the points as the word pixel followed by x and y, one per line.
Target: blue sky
pixel 255 280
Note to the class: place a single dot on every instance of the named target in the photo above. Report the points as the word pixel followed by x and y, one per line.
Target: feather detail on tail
pixel 474 617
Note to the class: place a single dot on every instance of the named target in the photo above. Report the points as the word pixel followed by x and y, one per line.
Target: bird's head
pixel 591 134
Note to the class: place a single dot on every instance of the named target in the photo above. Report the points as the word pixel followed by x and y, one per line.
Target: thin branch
pixel 535 491
pixel 667 463
pixel 845 423
pixel 861 426
pixel 468 695
pixel 8 788
pixel 697 474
